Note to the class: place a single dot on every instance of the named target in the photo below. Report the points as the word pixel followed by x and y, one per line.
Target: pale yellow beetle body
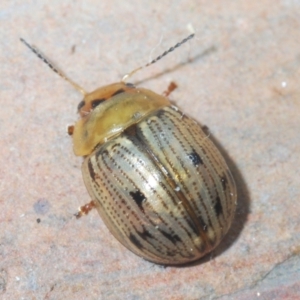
pixel 158 182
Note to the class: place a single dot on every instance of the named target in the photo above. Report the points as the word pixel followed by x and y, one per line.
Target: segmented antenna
pixel 159 57
pixel 52 67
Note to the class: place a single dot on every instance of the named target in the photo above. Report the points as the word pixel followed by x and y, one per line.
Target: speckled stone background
pixel 240 76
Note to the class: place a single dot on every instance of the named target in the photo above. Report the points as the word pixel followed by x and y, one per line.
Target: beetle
pixel 159 183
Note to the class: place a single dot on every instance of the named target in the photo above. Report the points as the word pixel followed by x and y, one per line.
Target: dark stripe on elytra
pixel 91 170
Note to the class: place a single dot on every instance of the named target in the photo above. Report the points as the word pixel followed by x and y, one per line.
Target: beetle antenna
pixel 52 67
pixel 158 57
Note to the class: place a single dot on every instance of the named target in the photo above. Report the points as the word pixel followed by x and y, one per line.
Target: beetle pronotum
pixel 158 182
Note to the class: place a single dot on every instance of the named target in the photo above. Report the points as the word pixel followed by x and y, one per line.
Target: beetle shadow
pixel 241 214
pixel 190 60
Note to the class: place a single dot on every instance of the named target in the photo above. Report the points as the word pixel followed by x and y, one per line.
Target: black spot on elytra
pixel 96 102
pixel 135 241
pixel 224 182
pixel 145 234
pixel 195 158
pixel 91 170
pixel 171 253
pixel 205 129
pixel 131 130
pixel 173 238
pixel 218 207
pixel 138 197
pixel 120 91
pixel 81 104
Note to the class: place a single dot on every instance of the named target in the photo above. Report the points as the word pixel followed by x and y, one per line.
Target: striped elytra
pixel 160 184
pixel 157 180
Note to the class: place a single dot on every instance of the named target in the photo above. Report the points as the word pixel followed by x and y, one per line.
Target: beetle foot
pixel 172 86
pixel 85 209
pixel 70 129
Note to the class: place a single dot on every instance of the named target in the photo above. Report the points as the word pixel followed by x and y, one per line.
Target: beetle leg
pixel 70 129
pixel 172 86
pixel 85 209
pixel 206 130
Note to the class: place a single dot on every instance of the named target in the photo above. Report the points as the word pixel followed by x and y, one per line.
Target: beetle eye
pixel 96 102
pixel 80 105
pixel 130 85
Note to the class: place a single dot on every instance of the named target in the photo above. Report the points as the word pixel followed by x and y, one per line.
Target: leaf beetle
pixel 158 182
